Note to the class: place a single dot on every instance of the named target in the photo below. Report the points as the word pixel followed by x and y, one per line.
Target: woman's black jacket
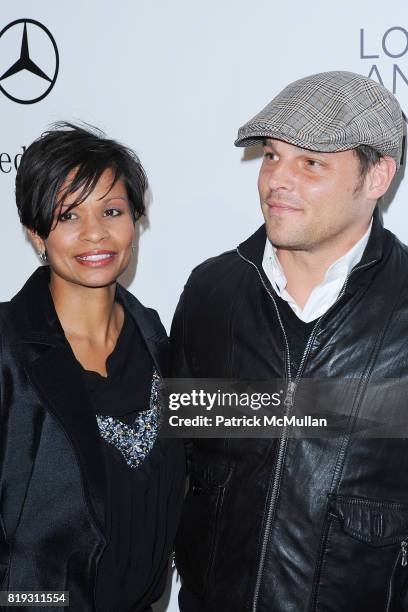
pixel 52 480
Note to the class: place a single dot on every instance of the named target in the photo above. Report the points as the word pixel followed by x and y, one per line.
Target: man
pixel 320 292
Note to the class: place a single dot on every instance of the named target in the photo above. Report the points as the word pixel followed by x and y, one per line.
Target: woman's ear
pixel 380 177
pixel 38 242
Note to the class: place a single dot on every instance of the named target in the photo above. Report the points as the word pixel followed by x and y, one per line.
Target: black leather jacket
pixel 307 524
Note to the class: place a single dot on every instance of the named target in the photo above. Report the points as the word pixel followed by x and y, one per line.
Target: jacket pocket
pixel 198 531
pixel 361 558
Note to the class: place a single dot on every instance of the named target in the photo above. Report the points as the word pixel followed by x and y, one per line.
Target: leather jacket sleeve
pixel 4 548
pixel 180 367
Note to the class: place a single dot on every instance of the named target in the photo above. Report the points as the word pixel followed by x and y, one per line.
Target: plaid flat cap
pixel 328 112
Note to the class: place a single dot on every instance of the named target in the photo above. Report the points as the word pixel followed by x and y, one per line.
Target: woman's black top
pixel 142 494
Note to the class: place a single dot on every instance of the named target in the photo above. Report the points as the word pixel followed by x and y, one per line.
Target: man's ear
pixel 37 241
pixel 380 177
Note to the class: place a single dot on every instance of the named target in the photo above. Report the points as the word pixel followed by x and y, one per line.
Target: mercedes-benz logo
pixel 29 61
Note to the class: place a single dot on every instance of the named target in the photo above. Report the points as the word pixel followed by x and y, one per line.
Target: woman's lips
pixel 95 259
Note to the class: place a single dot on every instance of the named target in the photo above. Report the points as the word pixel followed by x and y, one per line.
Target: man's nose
pixel 281 176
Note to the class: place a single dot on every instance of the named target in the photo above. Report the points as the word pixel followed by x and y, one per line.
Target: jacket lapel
pixel 150 327
pixel 56 375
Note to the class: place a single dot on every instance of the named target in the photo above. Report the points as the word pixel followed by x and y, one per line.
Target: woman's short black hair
pixel 81 149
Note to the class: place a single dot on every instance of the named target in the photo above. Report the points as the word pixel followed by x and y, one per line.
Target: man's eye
pixel 269 155
pixel 112 212
pixel 314 163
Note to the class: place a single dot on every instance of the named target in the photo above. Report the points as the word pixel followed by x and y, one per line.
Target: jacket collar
pixel 55 373
pixel 378 246
pixel 148 323
pixel 33 312
pixel 37 322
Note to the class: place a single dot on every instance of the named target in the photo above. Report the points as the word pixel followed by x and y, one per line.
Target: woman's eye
pixel 67 216
pixel 269 155
pixel 314 163
pixel 112 212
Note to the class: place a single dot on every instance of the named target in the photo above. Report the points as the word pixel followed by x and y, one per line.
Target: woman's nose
pixel 93 229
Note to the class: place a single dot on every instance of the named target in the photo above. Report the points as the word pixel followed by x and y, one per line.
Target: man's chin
pixel 278 236
pixel 288 243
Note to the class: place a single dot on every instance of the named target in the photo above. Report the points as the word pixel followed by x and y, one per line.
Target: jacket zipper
pixel 403 554
pixel 288 403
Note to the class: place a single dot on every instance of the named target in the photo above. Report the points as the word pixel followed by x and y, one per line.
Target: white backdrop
pixel 174 80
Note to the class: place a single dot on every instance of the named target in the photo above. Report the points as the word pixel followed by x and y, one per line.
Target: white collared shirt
pixel 325 293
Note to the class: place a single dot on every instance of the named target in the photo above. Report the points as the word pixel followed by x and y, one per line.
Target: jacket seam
pixel 235 305
pixel 338 469
pixel 369 502
pixel 330 518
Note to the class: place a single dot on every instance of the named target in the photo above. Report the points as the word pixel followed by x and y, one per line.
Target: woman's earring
pixel 43 256
pixel 133 248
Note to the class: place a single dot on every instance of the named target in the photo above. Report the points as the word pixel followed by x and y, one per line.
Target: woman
pixel 89 496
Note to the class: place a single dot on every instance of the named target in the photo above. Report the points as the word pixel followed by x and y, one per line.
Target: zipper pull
pixel 288 401
pixel 404 551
